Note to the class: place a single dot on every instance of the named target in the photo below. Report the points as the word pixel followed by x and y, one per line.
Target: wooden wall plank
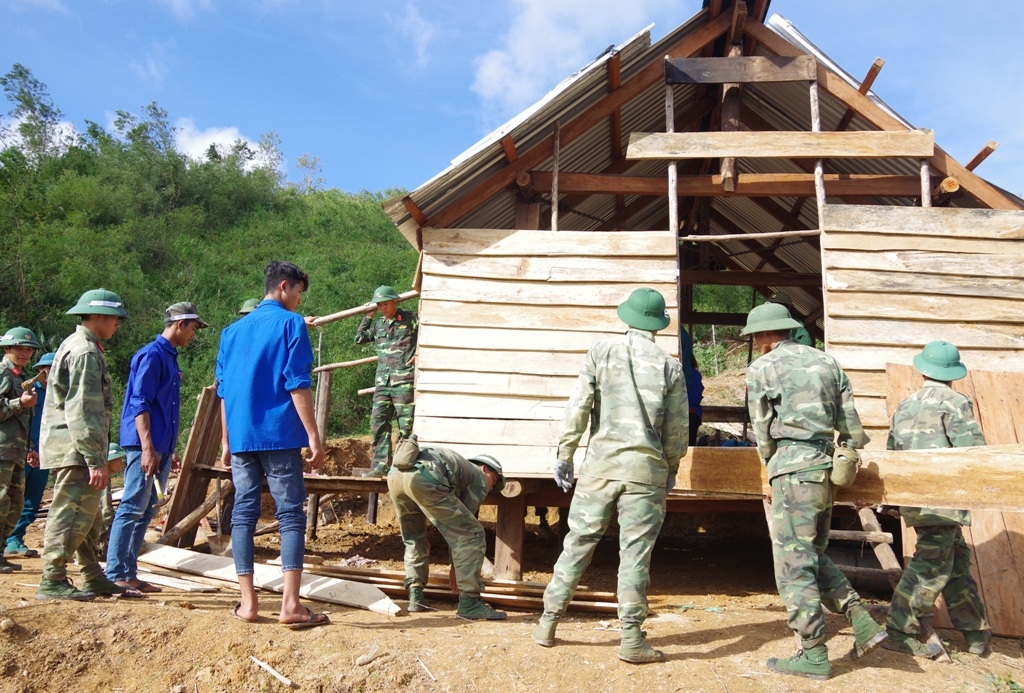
pixel 492 406
pixel 891 282
pixel 535 363
pixel 578 318
pixel 868 383
pixel 927 262
pixel 902 332
pixel 520 461
pixel 876 241
pixel 944 222
pixel 487 338
pixel 486 431
pixel 473 382
pixel 923 308
pixel 472 290
pixel 745 69
pixel 1001 578
pixel 628 244
pixel 658 269
pixel 870 357
pixel 787 144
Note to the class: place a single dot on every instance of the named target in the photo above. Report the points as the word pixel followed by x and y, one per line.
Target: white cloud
pixel 193 142
pixel 548 40
pixel 186 9
pixel 63 136
pixel 153 66
pixel 418 31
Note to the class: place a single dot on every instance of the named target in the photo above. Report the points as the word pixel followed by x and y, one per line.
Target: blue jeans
pixel 35 485
pixel 137 509
pixel 283 471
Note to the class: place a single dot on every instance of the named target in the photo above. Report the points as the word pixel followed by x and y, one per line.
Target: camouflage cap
pixel 183 310
pixel 384 293
pixel 769 317
pixel 489 461
pixel 20 336
pixel 644 310
pixel 248 306
pixel 45 360
pixel 99 302
pixel 940 361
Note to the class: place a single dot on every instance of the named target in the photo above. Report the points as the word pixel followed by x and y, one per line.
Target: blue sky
pixel 387 93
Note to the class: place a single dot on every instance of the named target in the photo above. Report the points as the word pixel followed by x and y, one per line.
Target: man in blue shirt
pixel 264 369
pixel 149 435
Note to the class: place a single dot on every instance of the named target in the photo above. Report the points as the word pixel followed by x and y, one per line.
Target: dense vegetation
pixel 126 211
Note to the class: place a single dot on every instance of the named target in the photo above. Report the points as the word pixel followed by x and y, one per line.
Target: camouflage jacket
pixel 75 430
pixel 934 417
pixel 450 469
pixel 15 421
pixel 632 395
pixel 395 341
pixel 798 398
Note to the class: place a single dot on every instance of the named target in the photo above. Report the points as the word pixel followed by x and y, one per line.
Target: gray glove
pixel 670 483
pixel 563 475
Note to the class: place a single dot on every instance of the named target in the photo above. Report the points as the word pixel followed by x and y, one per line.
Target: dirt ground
pixel 714 612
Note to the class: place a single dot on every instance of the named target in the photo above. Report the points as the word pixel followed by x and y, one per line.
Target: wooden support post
pixel 554 178
pixel 321 408
pixel 732 103
pixel 509 533
pixel 926 184
pixel 673 171
pixel 173 534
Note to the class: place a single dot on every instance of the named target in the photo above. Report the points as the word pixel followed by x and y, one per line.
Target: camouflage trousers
pixel 941 565
pixel 12 495
pixel 419 498
pixel 390 402
pixel 807 579
pixel 641 512
pixel 72 525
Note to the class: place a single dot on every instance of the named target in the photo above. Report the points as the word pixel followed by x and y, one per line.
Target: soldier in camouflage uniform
pixel 799 398
pixel 393 335
pixel 444 487
pixel 936 417
pixel 632 394
pixel 74 440
pixel 16 405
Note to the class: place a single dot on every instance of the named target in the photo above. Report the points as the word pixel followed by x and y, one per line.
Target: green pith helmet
pixel 769 317
pixel 493 464
pixel 940 361
pixel 114 452
pixel 800 335
pixel 20 336
pixel 384 293
pixel 248 306
pixel 781 297
pixel 99 302
pixel 45 360
pixel 644 310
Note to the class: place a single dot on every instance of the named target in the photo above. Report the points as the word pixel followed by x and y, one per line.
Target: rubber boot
pixel 474 609
pixel 909 644
pixel 417 602
pixel 978 641
pixel 635 650
pixel 8 567
pixel 544 633
pixel 62 589
pixel 866 631
pixel 811 663
pixel 103 587
pixel 378 470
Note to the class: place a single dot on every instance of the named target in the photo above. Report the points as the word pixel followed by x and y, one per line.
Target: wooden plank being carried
pixel 489 338
pixel 494 383
pixel 744 69
pixel 324 589
pixel 547 243
pixel 539 363
pixel 515 291
pixel 492 407
pixel 779 145
pixel 579 318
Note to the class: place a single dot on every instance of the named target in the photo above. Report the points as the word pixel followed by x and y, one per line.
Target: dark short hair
pixel 278 271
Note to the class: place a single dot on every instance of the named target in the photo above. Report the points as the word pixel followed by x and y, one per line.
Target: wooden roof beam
pixel 652 74
pixel 864 88
pixel 739 17
pixel 982 155
pixel 781 144
pixel 747 184
pixel 509 147
pixel 614 69
pixel 414 211
pixel 749 278
pixel 832 84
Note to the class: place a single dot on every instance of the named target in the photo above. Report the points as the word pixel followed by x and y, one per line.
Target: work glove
pixel 670 483
pixel 563 475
